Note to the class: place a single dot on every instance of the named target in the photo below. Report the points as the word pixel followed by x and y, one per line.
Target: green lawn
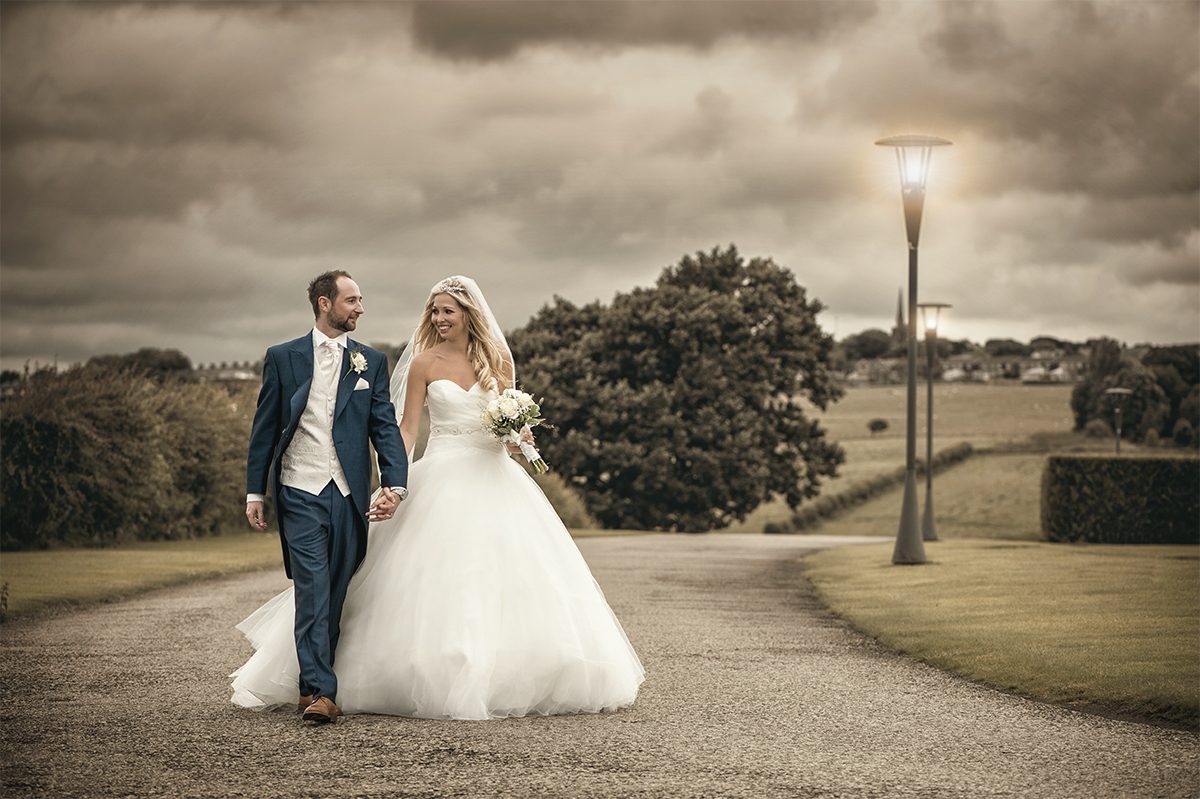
pixel 1115 626
pixel 865 459
pixel 984 414
pixel 37 580
pixel 987 496
pixel 993 418
pixel 57 577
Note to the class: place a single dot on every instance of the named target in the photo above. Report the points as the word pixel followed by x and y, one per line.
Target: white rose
pixel 509 407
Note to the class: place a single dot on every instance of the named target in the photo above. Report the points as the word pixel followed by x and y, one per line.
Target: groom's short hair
pixel 325 285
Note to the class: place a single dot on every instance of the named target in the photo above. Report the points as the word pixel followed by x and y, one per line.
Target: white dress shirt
pixel 311 460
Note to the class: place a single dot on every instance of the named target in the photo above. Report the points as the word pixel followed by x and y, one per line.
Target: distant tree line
pixel 873 344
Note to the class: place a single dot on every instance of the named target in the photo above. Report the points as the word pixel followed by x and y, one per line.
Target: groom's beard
pixel 346 324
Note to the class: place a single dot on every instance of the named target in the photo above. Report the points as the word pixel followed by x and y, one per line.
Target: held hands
pixel 384 506
pixel 256 513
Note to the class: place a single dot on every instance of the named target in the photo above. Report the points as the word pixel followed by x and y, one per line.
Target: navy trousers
pixel 323 546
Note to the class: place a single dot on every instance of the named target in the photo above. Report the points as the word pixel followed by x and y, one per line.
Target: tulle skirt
pixel 473 602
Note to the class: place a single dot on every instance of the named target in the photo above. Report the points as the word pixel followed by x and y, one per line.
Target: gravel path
pixel 753 690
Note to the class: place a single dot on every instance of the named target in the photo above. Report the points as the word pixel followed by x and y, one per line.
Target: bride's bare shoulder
pixel 421 363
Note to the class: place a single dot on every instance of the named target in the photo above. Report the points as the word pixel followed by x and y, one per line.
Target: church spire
pixel 900 331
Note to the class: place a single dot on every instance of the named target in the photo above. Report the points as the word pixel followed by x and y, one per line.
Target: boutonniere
pixel 358 361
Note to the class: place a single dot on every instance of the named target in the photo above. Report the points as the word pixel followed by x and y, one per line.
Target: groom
pixel 323 397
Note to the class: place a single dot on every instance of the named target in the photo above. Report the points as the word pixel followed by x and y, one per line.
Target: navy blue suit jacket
pixel 359 417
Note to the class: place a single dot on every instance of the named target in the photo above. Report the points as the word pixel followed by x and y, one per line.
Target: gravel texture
pixel 752 690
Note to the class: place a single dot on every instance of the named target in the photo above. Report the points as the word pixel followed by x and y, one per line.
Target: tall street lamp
pixel 930 313
pixel 913 154
pixel 1118 397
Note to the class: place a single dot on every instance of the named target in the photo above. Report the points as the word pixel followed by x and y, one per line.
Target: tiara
pixel 450 284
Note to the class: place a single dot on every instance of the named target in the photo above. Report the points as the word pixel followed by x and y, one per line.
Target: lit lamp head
pixel 913 154
pixel 930 315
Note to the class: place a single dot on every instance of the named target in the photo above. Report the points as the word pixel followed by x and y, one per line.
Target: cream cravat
pixel 329 353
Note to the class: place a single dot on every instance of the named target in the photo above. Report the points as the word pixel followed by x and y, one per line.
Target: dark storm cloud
pixel 116 116
pixel 1075 127
pixel 973 35
pixel 1076 96
pixel 67 79
pixel 491 29
pixel 173 174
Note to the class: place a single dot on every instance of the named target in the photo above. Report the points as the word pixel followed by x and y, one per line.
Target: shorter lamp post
pixel 930 313
pixel 1118 396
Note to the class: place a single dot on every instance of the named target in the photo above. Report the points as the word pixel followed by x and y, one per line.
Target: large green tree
pixel 683 406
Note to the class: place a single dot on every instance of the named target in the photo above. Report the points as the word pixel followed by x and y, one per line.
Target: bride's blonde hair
pixel 487 357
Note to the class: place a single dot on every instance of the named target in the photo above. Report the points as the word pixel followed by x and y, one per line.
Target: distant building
pixel 230 374
pixel 1041 366
pixel 877 370
pixel 1046 366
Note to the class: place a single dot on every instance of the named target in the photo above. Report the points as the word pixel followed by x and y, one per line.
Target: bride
pixel 473 601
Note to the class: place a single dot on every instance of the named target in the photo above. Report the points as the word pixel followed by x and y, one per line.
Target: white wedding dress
pixel 472 603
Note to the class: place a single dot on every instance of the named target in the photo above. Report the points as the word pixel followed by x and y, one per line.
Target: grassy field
pixel 1117 627
pixel 990 417
pixel 983 413
pixel 1113 626
pixel 49 578
pixel 988 496
pixel 62 577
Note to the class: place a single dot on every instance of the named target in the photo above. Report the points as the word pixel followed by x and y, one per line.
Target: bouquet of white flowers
pixel 511 414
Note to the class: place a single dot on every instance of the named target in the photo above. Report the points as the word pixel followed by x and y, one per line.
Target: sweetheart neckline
pixel 456 385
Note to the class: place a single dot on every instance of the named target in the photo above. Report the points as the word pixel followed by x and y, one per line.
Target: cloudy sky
pixel 173 174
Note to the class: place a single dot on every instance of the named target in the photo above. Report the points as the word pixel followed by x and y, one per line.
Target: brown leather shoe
pixel 305 701
pixel 322 711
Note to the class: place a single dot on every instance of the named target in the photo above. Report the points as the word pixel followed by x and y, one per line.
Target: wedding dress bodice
pixel 454 416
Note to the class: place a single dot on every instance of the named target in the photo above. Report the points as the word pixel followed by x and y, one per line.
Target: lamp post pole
pixel 930 313
pixel 913 156
pixel 1118 396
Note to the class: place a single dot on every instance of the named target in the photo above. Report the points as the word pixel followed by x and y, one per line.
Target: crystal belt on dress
pixel 450 436
pixel 451 430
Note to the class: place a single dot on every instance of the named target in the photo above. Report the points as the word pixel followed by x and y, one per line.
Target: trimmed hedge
pixel 1121 500
pixel 831 505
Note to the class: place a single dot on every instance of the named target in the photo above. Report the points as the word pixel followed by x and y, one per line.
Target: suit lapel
pixel 302 371
pixel 346 380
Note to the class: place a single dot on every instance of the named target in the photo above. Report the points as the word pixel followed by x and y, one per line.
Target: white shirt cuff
pixel 255 498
